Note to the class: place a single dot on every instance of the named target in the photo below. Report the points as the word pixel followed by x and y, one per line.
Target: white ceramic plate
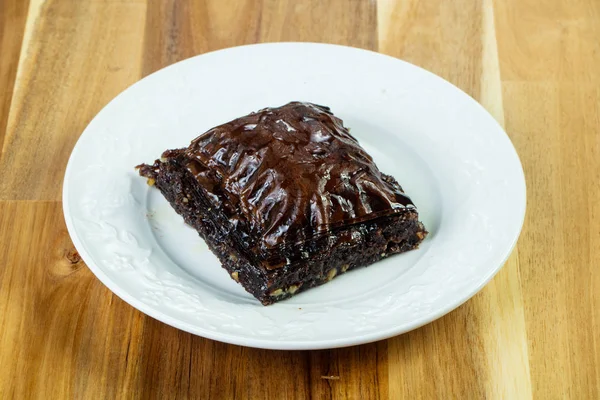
pixel 448 153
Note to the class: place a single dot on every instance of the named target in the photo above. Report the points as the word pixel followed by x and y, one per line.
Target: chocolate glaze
pixel 288 174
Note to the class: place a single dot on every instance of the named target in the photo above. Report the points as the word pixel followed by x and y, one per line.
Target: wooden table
pixel 534 331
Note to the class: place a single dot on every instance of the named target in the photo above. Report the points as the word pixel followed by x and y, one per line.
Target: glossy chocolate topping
pixel 289 173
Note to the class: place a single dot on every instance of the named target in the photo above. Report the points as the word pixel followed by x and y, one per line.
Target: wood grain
pixel 559 245
pixel 550 69
pixel 177 29
pixel 68 321
pixel 532 332
pixel 493 359
pixel 53 309
pixel 13 15
pixel 89 52
pixel 558 40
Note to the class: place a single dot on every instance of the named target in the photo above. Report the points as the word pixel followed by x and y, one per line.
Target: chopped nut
pixel 235 276
pixel 382 254
pixel 151 181
pixel 331 274
pixel 345 267
pixel 233 257
pixel 420 235
pixel 276 293
pixel 185 200
pixel 163 159
pixel 293 289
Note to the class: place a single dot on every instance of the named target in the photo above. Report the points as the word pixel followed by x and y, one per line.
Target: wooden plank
pixel 558 139
pixel 89 51
pixel 352 23
pixel 175 364
pixel 549 41
pixel 177 29
pixel 13 14
pixel 61 331
pixel 479 350
pixel 444 37
pixel 549 68
pixel 355 372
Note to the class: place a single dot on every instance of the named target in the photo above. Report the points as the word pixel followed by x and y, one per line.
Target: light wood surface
pixel 533 332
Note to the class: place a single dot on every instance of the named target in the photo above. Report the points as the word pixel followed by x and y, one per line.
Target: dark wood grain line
pixel 13 16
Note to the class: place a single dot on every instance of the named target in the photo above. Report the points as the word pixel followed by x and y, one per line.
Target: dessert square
pixel 286 199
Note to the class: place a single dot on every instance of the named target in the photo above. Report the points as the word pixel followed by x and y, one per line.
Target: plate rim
pixel 295 344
